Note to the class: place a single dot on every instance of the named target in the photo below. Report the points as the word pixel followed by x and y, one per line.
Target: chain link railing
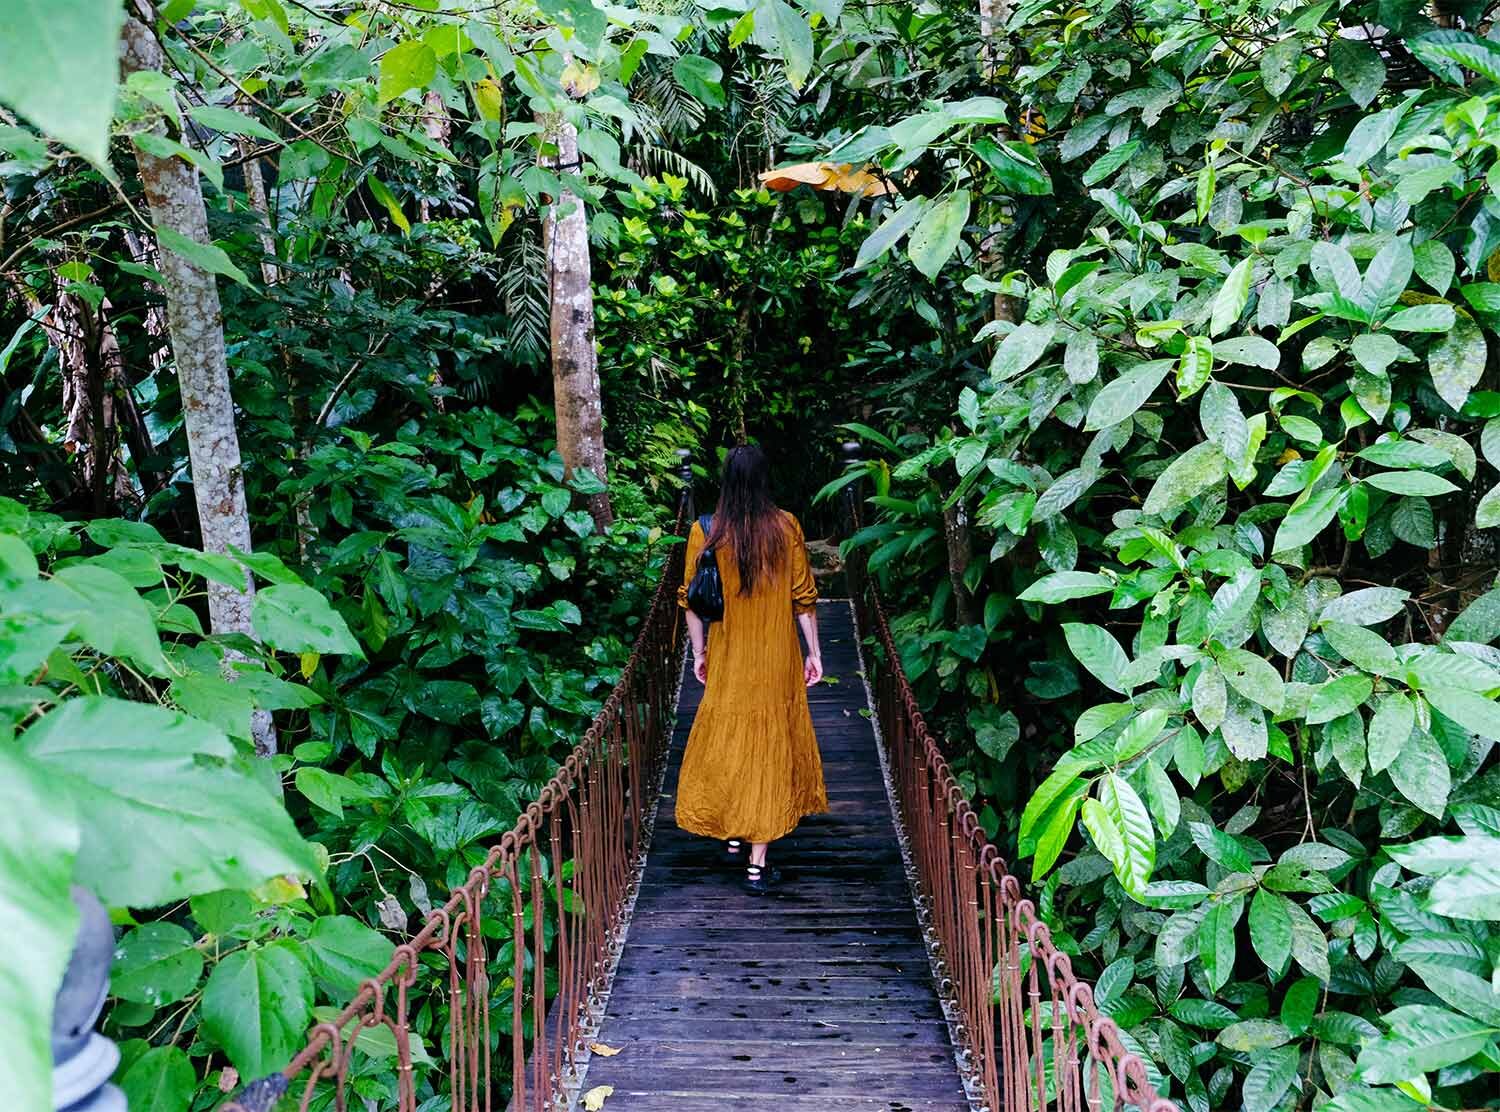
pixel 1031 1037
pixel 555 890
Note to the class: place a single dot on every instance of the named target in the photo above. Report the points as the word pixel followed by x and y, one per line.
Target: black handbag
pixel 705 593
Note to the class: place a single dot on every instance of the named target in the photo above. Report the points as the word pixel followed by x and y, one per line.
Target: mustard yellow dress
pixel 752 769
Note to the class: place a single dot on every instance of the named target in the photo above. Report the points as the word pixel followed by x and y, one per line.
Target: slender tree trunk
pixel 438 127
pixel 196 327
pixel 960 554
pixel 575 365
pixel 255 196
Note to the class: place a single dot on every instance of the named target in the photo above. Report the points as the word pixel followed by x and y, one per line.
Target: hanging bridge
pixel 598 959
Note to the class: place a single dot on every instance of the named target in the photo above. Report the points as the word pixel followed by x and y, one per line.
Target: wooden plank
pixel 749 1055
pixel 844 1032
pixel 629 1100
pixel 886 1078
pixel 628 1007
pixel 816 997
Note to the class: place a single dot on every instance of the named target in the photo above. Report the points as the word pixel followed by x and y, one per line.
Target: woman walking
pixel 752 769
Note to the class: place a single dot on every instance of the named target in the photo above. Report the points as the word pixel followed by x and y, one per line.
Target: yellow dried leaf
pixel 1287 457
pixel 579 79
pixel 593 1100
pixel 309 664
pixel 604 1051
pixel 1492 268
pixel 827 176
pixel 280 890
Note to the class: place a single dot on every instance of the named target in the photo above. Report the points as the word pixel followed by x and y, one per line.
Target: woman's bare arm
pixel 698 634
pixel 812 667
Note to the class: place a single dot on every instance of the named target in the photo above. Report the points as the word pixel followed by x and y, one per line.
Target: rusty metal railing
pixel 555 889
pixel 1031 1038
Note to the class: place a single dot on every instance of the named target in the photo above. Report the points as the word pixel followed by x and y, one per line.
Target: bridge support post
pixel 853 575
pixel 685 473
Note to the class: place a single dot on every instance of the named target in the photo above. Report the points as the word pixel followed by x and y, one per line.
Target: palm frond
pixel 651 159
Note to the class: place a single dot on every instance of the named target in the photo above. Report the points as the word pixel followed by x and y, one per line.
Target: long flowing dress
pixel 752 768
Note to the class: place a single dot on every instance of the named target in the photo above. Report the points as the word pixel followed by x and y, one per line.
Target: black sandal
pixel 760 880
pixel 732 852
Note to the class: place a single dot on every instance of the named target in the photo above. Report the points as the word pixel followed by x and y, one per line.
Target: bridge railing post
pixel 685 473
pixel 852 500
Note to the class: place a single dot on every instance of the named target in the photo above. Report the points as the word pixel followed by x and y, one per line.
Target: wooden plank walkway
pixel 818 997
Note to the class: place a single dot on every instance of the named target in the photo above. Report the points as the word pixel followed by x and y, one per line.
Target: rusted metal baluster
pixel 565 1002
pixel 518 983
pixel 541 1083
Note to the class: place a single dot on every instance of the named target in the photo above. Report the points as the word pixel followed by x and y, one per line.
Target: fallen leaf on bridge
pixel 604 1051
pixel 594 1099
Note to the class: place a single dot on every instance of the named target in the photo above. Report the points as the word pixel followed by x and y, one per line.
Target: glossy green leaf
pixel 256 1006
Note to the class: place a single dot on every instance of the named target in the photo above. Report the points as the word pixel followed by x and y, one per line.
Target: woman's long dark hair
pixel 748 519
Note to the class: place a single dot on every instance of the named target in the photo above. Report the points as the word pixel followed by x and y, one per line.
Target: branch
pixel 343 383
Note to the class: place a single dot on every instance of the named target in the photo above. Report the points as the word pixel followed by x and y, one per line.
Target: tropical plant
pixel 1233 448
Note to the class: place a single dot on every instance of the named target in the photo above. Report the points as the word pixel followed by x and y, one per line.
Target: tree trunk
pixel 575 365
pixel 960 553
pixel 196 328
pixel 255 196
pixel 993 15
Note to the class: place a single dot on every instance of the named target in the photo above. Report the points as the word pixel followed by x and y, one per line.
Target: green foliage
pixel 128 760
pixel 1221 475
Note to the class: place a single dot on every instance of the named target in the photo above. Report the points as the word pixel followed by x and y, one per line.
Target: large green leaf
pixel 1064 585
pixel 160 1080
pixel 1019 350
pixel 701 77
pixel 406 66
pixel 1358 67
pixel 1338 697
pixel 256 1006
pixel 39 839
pixel 1421 1039
pixel 164 808
pixel 102 608
pixel 1309 519
pixel 207 257
pixel 1126 394
pixel 1231 298
pixel 1271 929
pixel 1269 1078
pixel 155 964
pixel 297 619
pixel 780 29
pixel 1389 728
pixel 1135 854
pixel 1362 647
pixel 1202 467
pixel 60 69
pixel 883 238
pixel 1253 677
pixel 1367 606
pixel 1216 943
pixel 1015 166
pixel 1098 651
pixel 1457 361
pixel 1473 712
pixel 1420 772
pixel 1462 990
pixel 936 235
pixel 1309 945
pixel 345 952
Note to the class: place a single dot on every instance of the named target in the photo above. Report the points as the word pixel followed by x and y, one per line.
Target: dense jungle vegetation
pixel 347 346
